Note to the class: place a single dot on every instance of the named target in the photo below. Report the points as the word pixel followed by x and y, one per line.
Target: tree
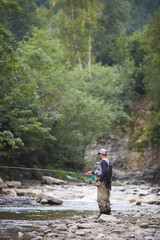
pixel 141 11
pixel 20 22
pixel 77 110
pixel 114 14
pixel 151 45
pixel 41 3
pixel 75 22
pixel 24 126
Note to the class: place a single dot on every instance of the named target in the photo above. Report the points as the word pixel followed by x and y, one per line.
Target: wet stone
pixel 52 235
pixel 138 224
pixel 71 235
pixel 148 238
pixel 144 225
pixel 15 184
pixel 80 232
pixel 84 226
pixel 61 227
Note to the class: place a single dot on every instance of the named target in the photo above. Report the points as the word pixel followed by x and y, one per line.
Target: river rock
pixel 7 191
pixel 107 218
pixel 61 227
pixel 118 174
pixel 15 184
pixel 13 230
pixel 84 226
pixel 1 183
pixel 52 235
pixel 37 238
pixel 71 235
pixel 46 199
pixel 50 180
pixel 20 235
pixel 81 232
pixel 116 183
pixel 144 225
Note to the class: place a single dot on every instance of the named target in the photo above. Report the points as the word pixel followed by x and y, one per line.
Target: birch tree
pixel 74 35
pixel 75 23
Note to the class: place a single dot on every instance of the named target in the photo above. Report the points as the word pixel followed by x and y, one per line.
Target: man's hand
pixel 98 184
pixel 89 173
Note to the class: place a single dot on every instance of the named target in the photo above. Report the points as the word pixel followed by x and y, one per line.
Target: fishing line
pixel 39 169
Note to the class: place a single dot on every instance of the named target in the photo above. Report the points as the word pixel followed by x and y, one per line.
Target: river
pixel 23 210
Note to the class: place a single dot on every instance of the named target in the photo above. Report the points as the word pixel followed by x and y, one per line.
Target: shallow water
pixel 77 200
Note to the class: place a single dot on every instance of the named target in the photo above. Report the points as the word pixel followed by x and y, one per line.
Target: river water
pixel 77 200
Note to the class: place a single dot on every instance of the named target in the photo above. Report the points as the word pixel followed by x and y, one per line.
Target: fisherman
pixel 103 176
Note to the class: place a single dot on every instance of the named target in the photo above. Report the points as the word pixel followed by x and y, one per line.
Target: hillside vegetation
pixel 71 74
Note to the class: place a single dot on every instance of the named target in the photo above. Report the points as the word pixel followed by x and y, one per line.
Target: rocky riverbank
pixel 121 225
pixel 135 211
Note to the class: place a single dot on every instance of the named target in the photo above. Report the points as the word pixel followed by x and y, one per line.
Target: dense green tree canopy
pixel 70 80
pixel 19 17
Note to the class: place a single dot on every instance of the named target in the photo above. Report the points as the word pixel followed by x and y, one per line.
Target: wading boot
pixel 100 214
pixel 108 212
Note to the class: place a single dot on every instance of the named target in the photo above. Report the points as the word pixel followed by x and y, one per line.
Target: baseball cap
pixel 102 151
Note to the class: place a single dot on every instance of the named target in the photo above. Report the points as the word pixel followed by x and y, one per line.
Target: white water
pixel 77 200
pixel 83 198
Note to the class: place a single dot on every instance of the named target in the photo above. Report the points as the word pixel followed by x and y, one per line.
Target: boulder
pixel 15 184
pixel 107 218
pixel 46 199
pixel 2 184
pixel 119 174
pixel 8 191
pixel 144 225
pixel 50 180
pixel 13 230
pixel 84 226
pixel 116 183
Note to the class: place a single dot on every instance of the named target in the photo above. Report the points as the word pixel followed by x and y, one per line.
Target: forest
pixel 69 74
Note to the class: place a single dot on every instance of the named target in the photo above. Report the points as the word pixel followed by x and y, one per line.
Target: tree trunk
pixel 75 37
pixel 89 43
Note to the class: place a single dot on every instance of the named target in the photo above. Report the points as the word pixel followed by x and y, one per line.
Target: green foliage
pixel 114 14
pixel 130 47
pixel 64 174
pixel 41 3
pixel 137 54
pixel 79 110
pixel 10 5
pixel 54 100
pixel 148 135
pixel 139 141
pixel 151 44
pixel 6 60
pixel 19 16
pixel 141 11
pixel 75 22
pixel 22 124
pixel 7 141
pixel 152 129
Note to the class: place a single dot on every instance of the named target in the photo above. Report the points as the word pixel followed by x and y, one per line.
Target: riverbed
pixel 78 199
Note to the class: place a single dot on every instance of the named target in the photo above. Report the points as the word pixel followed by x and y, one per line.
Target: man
pixel 103 174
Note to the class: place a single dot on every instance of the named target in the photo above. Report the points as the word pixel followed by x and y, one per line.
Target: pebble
pixel 107 218
pixel 144 225
pixel 126 225
pixel 121 225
